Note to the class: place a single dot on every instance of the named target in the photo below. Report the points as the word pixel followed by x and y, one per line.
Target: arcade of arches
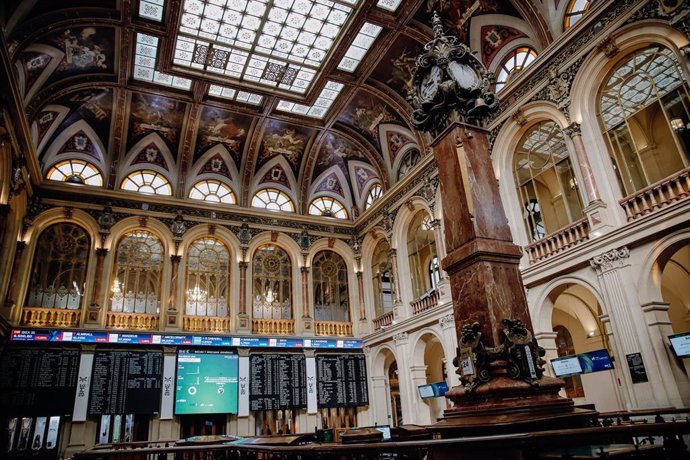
pixel 163 173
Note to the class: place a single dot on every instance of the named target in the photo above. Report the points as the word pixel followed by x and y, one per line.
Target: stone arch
pixel 345 199
pixel 53 154
pixel 257 184
pixel 152 138
pixel 371 240
pixel 62 113
pixel 196 174
pixel 425 341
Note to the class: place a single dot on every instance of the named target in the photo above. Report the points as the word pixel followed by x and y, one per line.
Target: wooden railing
pixel 384 320
pixel 206 323
pixel 333 328
pixel 561 240
pixel 44 317
pixel 273 326
pixel 134 321
pixel 425 302
pixel 658 195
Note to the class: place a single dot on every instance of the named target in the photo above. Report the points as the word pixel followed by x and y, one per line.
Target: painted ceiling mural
pixel 222 127
pixel 365 113
pixel 397 66
pixel 156 114
pixel 284 139
pixel 92 106
pixel 81 90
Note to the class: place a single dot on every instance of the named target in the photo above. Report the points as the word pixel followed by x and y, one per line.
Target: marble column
pixel 447 324
pixel 243 319
pixel 307 316
pixel 379 400
pixel 172 313
pixel 360 291
pixel 398 310
pixel 422 411
pixel 630 334
pixel 94 307
pixel 547 340
pixel 12 294
pixel 574 131
pixel 440 246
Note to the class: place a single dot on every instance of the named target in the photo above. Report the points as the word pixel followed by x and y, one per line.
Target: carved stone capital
pixel 447 321
pixel 392 253
pixel 615 258
pixel 608 47
pixel 244 265
pixel 400 338
pixel 573 130
pixel 366 350
pixel 304 270
pixel 101 252
pixel 175 259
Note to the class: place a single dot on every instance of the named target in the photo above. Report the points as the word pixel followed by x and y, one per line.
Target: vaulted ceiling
pixel 306 96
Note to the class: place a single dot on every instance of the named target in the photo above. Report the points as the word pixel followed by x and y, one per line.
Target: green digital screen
pixel 206 383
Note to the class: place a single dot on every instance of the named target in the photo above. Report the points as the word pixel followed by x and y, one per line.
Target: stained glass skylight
pixel 280 43
pixel 151 9
pixel 390 5
pixel 235 95
pixel 320 107
pixel 360 45
pixel 145 64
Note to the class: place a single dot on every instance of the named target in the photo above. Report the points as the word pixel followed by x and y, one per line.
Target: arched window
pixel 212 190
pixel 206 291
pixel 59 272
pixel 381 270
pixel 565 347
pixel 146 181
pixel 576 9
pixel 375 192
pixel 547 187
pixel 434 272
pixel 76 172
pixel 137 274
pixel 327 207
pixel 421 250
pixel 644 112
pixel 272 283
pixel 273 199
pixel 411 158
pixel 513 63
pixel 329 274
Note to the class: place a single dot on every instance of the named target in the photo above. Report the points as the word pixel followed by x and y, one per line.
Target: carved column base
pixel 504 405
pixel 308 326
pixel 172 322
pixel 92 317
pixel 599 218
pixel 244 324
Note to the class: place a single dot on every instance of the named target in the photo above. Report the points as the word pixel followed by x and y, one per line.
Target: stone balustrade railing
pixel 658 195
pixel 206 323
pixel 384 320
pixel 424 303
pixel 273 326
pixel 559 241
pixel 133 321
pixel 49 317
pixel 333 328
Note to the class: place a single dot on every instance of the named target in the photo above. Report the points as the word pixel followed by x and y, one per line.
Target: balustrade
pixel 333 328
pixel 134 321
pixel 657 196
pixel 206 323
pixel 49 317
pixel 424 303
pixel 273 326
pixel 559 241
pixel 384 320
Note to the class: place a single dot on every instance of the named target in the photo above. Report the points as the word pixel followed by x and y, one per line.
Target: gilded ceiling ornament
pixel 449 79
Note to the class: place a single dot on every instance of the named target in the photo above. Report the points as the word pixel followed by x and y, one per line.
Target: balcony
pixel 383 321
pixel 657 196
pixel 132 321
pixel 50 317
pixel 426 302
pixel 273 326
pixel 559 241
pixel 334 328
pixel 216 324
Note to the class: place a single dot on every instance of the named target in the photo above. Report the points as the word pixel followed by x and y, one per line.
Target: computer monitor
pixel 595 361
pixel 426 391
pixel 566 366
pixel 680 343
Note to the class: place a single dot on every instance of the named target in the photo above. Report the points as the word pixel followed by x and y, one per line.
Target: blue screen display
pixel 595 361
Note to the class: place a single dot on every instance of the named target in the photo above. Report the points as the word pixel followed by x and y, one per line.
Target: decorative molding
pixel 400 338
pixel 615 258
pixel 573 130
pixel 447 321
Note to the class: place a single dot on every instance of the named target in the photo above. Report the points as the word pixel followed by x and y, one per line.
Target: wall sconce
pixel 678 124
pixel 590 334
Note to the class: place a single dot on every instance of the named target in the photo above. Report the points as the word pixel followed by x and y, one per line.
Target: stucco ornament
pixel 449 78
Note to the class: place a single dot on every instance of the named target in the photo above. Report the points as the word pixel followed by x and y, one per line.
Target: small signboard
pixel 638 373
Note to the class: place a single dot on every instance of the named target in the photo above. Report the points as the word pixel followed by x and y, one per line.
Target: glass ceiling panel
pixel 151 9
pixel 390 5
pixel 145 56
pixel 321 105
pixel 234 95
pixel 360 45
pixel 279 43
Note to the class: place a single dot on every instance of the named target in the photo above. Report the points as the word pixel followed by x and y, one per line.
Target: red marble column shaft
pixel 243 287
pixel 482 261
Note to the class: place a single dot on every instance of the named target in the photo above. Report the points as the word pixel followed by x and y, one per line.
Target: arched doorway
pixel 395 416
pixel 675 279
pixel 575 320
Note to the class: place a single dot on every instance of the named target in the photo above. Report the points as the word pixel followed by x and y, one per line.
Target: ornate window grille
pixel 272 283
pixel 329 273
pixel 207 284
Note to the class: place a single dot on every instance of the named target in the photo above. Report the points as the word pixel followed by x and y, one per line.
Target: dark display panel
pixel 342 380
pixel 206 382
pixel 126 382
pixel 38 381
pixel 277 381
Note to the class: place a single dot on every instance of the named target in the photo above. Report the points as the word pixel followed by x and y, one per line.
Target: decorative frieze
pixel 447 321
pixel 610 260
pixel 400 338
